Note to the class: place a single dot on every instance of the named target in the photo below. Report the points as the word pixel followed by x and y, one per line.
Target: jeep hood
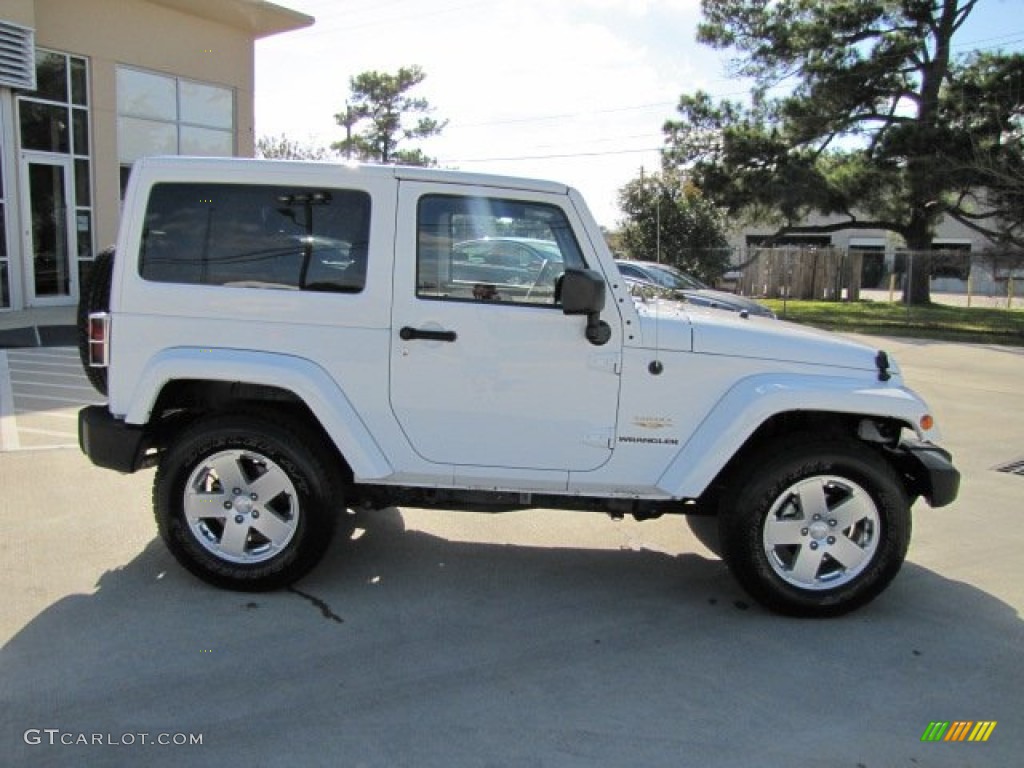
pixel 676 326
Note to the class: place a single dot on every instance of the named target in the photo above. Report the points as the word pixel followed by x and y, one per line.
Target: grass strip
pixel 981 325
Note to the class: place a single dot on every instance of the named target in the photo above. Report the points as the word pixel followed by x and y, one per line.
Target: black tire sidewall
pixel 705 528
pixel 744 513
pixel 319 496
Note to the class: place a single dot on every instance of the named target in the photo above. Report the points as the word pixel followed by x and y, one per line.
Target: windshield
pixel 670 277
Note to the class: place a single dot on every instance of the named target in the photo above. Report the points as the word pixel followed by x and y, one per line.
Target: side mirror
pixel 581 292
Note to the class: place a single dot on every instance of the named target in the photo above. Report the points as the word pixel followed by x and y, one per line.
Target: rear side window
pixel 255 236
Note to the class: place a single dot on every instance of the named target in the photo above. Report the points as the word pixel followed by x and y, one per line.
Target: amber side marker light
pixel 927 422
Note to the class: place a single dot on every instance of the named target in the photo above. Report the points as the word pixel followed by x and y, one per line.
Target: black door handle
pixel 408 334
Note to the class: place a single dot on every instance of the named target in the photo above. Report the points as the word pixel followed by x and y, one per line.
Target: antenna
pixel 656 366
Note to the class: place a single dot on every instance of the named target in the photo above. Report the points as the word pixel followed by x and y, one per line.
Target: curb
pixel 39 336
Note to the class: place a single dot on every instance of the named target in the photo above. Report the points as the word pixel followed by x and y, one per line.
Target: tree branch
pixel 839 226
pixel 963 13
pixel 996 235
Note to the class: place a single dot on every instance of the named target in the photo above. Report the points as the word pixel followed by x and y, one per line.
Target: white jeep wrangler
pixel 290 343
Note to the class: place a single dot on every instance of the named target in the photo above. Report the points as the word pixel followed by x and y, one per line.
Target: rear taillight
pixel 99 339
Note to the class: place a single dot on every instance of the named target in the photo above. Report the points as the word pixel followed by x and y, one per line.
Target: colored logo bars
pixel 958 730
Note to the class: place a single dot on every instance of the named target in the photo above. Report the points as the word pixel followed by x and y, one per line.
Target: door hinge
pixel 610 363
pixel 604 438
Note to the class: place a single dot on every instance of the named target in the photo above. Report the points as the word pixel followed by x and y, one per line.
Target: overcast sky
pixel 573 90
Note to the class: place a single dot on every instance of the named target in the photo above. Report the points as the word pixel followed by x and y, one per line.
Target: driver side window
pixel 490 249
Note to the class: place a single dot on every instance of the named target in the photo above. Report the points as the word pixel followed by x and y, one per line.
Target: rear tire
pixel 95 297
pixel 247 503
pixel 820 529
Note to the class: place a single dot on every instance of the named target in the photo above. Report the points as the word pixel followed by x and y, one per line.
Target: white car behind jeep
pixel 292 343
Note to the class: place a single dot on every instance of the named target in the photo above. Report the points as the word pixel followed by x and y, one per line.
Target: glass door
pixel 48 230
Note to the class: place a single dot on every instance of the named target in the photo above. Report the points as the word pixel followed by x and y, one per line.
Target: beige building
pixel 89 86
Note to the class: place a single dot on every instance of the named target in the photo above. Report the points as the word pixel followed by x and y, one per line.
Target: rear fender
pixel 306 380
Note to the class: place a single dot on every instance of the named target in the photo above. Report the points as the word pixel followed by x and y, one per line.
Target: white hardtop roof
pixel 408 173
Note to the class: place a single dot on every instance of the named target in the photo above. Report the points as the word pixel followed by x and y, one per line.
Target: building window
pixel 54 118
pixel 164 115
pixel 789 241
pixel 951 258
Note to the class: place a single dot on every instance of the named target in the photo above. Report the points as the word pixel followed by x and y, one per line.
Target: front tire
pixel 705 529
pixel 246 503
pixel 821 529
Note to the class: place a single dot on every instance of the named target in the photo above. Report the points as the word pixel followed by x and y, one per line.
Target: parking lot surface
pixel 523 639
pixel 42 390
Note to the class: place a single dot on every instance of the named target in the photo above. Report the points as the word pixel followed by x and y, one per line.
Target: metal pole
pixel 786 275
pixel 657 230
pixel 908 294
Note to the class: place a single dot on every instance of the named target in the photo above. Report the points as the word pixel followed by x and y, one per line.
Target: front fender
pixel 308 381
pixel 752 401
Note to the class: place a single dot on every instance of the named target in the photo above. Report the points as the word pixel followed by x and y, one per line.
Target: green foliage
pixel 386 116
pixel 282 148
pixel 669 218
pixel 879 124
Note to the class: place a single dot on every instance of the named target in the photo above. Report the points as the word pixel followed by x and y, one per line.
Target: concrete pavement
pixel 41 392
pixel 534 638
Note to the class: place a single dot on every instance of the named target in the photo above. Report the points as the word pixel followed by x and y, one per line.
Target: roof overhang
pixel 257 17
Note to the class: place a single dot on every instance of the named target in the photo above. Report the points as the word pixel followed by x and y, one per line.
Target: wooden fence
pixel 802 273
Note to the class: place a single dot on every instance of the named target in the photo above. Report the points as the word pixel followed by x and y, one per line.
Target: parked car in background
pixel 508 264
pixel 686 287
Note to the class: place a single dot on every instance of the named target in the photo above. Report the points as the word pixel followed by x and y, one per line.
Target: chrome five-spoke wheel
pixel 821 532
pixel 241 506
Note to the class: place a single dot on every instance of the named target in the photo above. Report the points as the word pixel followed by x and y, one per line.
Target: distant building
pixel 89 86
pixel 882 253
